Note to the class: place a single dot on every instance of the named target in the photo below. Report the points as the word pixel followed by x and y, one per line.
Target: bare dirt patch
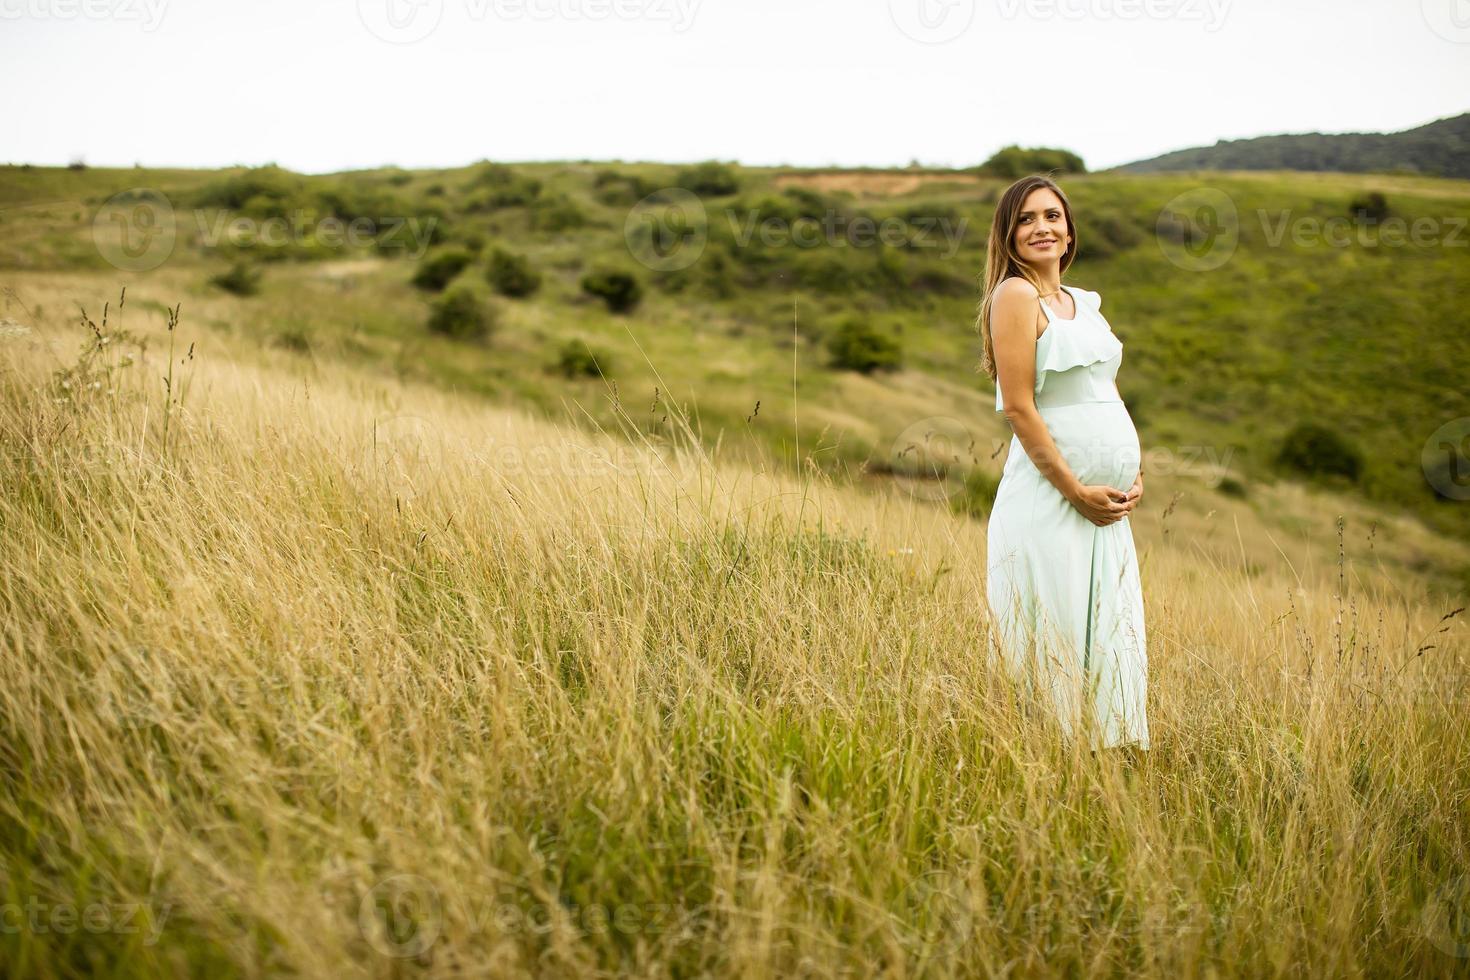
pixel 869 184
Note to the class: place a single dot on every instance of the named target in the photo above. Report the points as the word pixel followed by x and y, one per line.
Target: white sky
pixel 309 84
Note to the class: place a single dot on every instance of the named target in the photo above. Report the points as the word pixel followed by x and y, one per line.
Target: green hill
pixel 1254 306
pixel 1440 149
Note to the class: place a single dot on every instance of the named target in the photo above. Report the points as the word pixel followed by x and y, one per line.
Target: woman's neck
pixel 1050 278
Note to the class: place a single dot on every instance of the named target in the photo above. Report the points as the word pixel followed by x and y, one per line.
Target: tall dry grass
pixel 342 678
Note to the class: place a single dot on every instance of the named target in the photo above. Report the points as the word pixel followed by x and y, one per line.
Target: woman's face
pixel 1041 228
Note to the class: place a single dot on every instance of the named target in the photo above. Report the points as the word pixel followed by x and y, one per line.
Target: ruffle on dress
pixel 1073 344
pixel 1066 344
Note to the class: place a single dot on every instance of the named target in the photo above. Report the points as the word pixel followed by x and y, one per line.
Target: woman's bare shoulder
pixel 1012 297
pixel 1016 287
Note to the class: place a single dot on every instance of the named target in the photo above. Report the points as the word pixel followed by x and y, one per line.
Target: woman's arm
pixel 1135 492
pixel 1013 335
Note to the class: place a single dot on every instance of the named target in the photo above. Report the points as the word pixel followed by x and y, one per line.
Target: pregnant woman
pixel 1062 574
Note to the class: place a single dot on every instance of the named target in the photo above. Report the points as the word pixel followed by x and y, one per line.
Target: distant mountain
pixel 1440 149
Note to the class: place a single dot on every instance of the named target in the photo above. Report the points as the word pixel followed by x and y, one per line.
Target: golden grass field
pixel 312 672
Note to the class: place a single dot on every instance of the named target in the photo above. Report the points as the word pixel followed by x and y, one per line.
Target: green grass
pixel 1367 339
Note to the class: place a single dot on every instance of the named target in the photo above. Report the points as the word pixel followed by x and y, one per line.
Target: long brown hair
pixel 1003 261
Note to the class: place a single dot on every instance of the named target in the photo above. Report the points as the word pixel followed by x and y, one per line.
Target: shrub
pixel 808 203
pixel 1107 234
pixel 411 237
pixel 511 275
pixel 502 188
pixel 262 192
pixel 293 337
pixel 621 291
pixel 978 494
pixel 1231 487
pixel 618 189
pixel 558 213
pixel 856 346
pixel 575 360
pixel 463 313
pixel 1012 162
pixel 241 279
pixel 438 270
pixel 710 179
pixel 1372 206
pixel 1316 450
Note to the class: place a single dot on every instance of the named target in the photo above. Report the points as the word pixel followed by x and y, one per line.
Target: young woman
pixel 1062 573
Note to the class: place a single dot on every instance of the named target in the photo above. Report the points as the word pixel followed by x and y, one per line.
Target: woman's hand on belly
pixel 1101 504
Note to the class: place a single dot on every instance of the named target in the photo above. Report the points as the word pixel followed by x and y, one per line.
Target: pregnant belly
pixel 1098 440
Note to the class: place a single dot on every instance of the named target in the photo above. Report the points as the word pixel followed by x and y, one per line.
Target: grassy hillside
pixel 1438 149
pixel 1295 310
pixel 311 671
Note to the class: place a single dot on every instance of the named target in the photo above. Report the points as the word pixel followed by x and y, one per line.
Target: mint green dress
pixel 1065 594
